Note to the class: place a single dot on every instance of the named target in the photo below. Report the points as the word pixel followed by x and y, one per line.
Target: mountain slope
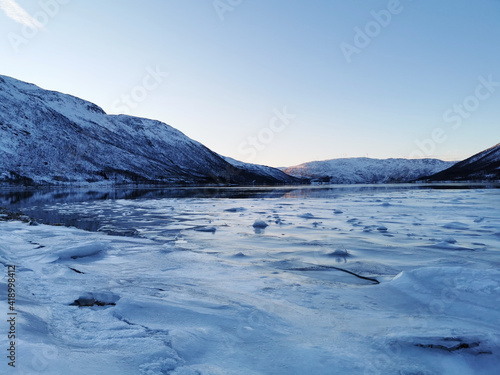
pixel 263 170
pixel 366 170
pixel 47 137
pixel 484 166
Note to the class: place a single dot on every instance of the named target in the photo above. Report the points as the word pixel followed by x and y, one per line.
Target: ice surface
pixel 188 286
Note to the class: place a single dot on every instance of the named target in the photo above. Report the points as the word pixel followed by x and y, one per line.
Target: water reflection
pixel 58 205
pixel 20 198
pixel 16 199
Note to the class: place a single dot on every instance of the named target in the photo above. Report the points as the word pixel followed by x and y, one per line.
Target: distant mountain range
pixel 484 166
pixel 366 170
pixel 51 138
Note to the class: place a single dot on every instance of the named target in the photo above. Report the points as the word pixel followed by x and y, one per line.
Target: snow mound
pixel 307 215
pixel 260 224
pixel 159 366
pixel 206 229
pixel 456 225
pixel 97 299
pixel 235 209
pixel 85 250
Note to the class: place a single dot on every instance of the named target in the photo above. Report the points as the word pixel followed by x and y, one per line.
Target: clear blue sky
pixel 350 78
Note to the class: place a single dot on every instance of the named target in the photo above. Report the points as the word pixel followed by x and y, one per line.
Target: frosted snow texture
pixel 240 301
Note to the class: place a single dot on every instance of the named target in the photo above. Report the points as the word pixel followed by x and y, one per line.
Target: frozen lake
pixel 342 280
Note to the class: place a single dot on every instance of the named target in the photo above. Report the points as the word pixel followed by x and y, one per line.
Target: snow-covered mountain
pixel 47 137
pixel 263 170
pixel 366 170
pixel 484 166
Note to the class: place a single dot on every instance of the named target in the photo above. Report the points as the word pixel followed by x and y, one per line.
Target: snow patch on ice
pixel 85 250
pixel 260 224
pixel 307 215
pixel 456 225
pixel 96 299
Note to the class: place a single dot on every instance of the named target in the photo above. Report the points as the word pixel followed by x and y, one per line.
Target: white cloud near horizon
pixel 15 12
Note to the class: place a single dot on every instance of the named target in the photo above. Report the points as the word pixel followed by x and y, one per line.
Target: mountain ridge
pixel 483 166
pixel 50 138
pixel 366 170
